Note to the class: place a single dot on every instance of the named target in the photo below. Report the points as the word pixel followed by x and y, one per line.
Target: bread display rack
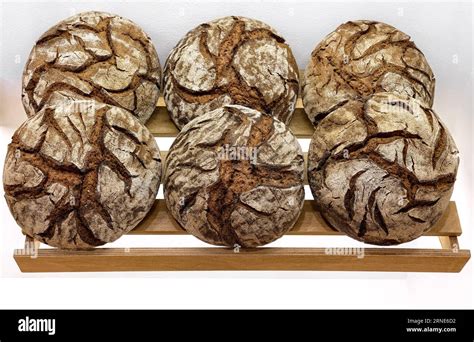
pixel 448 258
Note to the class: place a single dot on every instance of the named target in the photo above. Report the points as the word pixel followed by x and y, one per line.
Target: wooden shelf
pixel 448 258
pixel 265 258
pixel 160 222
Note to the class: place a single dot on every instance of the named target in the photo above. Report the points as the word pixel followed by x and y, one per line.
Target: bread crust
pixel 249 200
pixel 79 178
pixel 231 60
pixel 98 55
pixel 361 58
pixel 382 171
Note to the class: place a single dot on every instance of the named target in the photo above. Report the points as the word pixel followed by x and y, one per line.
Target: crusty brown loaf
pixel 224 200
pixel 100 55
pixel 383 171
pixel 359 59
pixel 81 178
pixel 232 60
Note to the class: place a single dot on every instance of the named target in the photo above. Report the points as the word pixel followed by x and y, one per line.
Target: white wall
pixel 443 31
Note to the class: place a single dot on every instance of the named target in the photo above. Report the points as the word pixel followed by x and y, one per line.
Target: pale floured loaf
pixel 232 60
pixel 79 177
pixel 361 58
pixel 382 171
pixel 235 176
pixel 102 56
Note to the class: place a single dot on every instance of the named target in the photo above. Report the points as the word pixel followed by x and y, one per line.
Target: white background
pixel 443 31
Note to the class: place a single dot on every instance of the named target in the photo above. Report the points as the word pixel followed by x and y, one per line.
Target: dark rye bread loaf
pixel 382 172
pixel 232 60
pixel 361 58
pixel 81 178
pixel 235 176
pixel 99 55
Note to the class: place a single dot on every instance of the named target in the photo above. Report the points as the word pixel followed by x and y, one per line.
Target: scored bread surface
pixel 249 200
pixel 232 60
pixel 99 55
pixel 382 171
pixel 81 178
pixel 361 58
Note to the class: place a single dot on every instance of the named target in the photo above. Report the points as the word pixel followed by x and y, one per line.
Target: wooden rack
pixel 448 258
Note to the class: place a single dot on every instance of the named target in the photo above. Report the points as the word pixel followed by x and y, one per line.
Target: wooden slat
pixel 160 222
pixel 449 242
pixel 160 124
pixel 213 259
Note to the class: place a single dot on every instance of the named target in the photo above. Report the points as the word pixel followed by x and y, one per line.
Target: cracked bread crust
pixel 99 55
pixel 80 179
pixel 382 172
pixel 231 60
pixel 361 58
pixel 227 201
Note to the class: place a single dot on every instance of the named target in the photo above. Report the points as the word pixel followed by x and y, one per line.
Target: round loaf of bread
pixel 81 176
pixel 99 55
pixel 361 58
pixel 232 60
pixel 235 176
pixel 382 172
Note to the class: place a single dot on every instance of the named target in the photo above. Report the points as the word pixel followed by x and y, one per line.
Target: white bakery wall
pixel 443 31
